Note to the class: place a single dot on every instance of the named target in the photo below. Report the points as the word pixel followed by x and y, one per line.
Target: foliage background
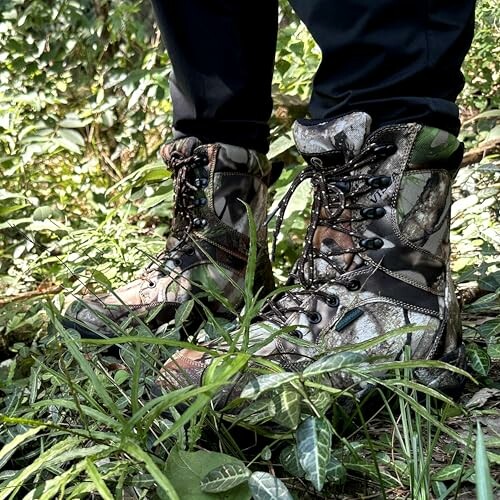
pixel 84 201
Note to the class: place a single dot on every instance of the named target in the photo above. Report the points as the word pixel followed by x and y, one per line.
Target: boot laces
pixel 189 196
pixel 336 193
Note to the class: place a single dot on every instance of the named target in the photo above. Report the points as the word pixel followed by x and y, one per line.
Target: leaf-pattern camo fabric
pixel 397 204
pixel 210 226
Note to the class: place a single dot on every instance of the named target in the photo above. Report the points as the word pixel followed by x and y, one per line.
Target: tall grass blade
pixel 484 487
pixel 97 479
pixel 139 454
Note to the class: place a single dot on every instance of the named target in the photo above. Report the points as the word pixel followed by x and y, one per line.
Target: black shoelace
pixel 189 194
pixel 336 191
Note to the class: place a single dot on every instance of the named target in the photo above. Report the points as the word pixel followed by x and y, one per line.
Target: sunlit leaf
pixel 264 486
pixel 314 440
pixel 225 477
pixel 267 382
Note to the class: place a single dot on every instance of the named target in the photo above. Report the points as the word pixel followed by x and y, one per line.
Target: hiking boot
pixel 210 225
pixel 375 258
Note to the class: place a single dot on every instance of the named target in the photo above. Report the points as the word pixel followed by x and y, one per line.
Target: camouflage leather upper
pixel 206 252
pixel 376 255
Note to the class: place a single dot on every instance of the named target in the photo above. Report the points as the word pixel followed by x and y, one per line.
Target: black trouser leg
pixel 222 52
pixel 397 60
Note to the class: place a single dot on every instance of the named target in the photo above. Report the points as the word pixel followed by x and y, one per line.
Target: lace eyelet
pixel 332 301
pixel 314 317
pixel 353 285
pixel 177 262
pixel 372 243
pixel 151 284
pixel 200 202
pixel 379 181
pixel 199 223
pixel 344 186
pixel 189 251
pixel 296 333
pixel 373 212
pixel 200 160
pixel 384 150
pixel 201 182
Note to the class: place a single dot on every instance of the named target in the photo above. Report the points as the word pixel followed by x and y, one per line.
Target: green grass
pixel 77 422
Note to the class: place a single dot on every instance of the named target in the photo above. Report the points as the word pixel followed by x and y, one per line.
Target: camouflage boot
pixel 210 225
pixel 376 254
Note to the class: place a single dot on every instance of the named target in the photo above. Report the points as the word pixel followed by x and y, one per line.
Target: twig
pixel 475 155
pixel 29 295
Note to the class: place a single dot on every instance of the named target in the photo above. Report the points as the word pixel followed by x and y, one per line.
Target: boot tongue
pixel 332 141
pixel 327 144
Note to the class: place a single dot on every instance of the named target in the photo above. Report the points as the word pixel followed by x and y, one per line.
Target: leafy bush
pixel 84 199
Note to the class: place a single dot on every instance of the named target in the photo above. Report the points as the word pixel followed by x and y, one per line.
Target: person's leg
pixel 222 54
pixel 376 253
pixel 397 61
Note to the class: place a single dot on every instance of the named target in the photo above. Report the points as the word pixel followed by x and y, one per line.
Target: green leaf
pixel 448 473
pixel 290 461
pixel 135 451
pixel 258 411
pixel 186 470
pixel 287 403
pixel 183 312
pixel 479 359
pixel 484 487
pixel 267 382
pixel 264 486
pixel 45 212
pixel 333 362
pixel 314 440
pixel 224 478
pixel 489 329
pixel 494 351
pixel 10 448
pixel 280 145
pixel 13 486
pixel 335 471
pixel 98 481
pixel 72 120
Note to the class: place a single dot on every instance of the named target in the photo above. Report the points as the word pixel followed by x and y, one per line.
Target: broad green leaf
pixel 314 440
pixel 335 471
pixel 484 485
pixel 267 382
pixel 489 329
pixel 290 461
pixel 494 351
pixel 448 473
pixel 280 145
pixel 224 478
pixel 264 486
pixel 45 212
pixel 287 403
pixel 478 359
pixel 258 411
pixel 72 120
pixel 319 399
pixel 333 362
pixel 183 312
pixel 72 136
pixel 186 470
